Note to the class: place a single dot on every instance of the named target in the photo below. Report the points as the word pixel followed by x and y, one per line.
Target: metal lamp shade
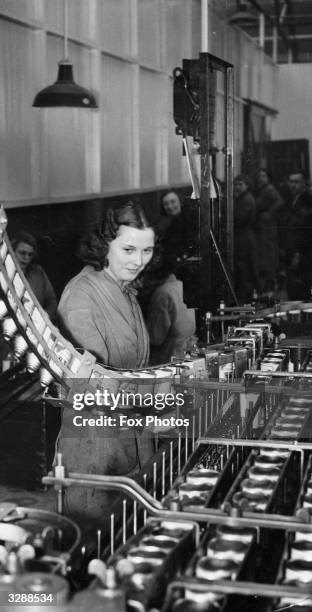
pixel 65 92
pixel 243 17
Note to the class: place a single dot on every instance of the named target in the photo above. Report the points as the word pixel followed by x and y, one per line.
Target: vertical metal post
pixel 228 164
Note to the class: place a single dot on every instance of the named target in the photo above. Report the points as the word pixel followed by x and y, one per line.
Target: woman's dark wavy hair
pixel 93 247
pixel 243 178
pixel 29 239
pixel 266 171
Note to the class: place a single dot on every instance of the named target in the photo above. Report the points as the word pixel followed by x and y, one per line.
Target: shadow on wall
pixel 58 227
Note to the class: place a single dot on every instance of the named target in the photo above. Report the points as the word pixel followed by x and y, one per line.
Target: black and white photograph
pixel 155 305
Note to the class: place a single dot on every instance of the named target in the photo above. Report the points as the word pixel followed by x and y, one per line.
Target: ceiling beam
pixel 283 12
pixel 274 22
pixel 292 29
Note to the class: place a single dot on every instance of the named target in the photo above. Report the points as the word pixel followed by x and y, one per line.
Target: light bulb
pixel 20 346
pixel 45 377
pixel 9 328
pixel 32 362
pixel 3 310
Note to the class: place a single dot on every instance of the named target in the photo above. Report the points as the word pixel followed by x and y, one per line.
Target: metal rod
pixel 179 452
pixel 163 473
pixel 135 517
pixel 65 17
pixel 193 432
pixel 154 479
pixel 112 533
pixel 229 282
pixel 228 587
pixel 124 521
pixel 285 375
pixel 186 445
pixel 171 464
pixel 145 487
pixel 287 523
pixel 295 446
pixel 204 26
pixel 98 537
pixel 60 500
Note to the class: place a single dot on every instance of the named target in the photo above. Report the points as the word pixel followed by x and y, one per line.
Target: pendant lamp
pixel 243 17
pixel 65 92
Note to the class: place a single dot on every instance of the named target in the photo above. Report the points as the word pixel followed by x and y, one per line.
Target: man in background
pixel 298 238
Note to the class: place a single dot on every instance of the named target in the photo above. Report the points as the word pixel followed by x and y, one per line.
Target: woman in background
pixel 245 248
pixel 170 323
pixel 172 227
pixel 26 251
pixel 268 203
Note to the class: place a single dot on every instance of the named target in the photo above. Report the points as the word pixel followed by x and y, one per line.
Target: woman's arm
pixel 81 324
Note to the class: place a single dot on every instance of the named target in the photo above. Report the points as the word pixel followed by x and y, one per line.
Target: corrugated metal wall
pixel 294 103
pixel 125 51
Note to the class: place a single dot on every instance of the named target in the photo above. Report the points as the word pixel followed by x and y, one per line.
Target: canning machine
pixel 218 520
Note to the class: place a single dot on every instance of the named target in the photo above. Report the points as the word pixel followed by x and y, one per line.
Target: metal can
pixel 301 549
pixel 202 476
pixel 262 474
pixel 254 488
pixel 221 549
pixel 216 569
pixel 242 534
pixel 263 462
pixel 157 542
pixel 141 555
pixel 299 571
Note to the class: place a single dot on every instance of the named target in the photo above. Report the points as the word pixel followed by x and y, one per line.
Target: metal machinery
pixel 219 520
pixel 203 112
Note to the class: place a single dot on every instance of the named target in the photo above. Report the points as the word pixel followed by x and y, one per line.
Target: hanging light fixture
pixel 243 17
pixel 65 92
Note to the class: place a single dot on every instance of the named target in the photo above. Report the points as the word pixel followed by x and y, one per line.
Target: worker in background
pixel 170 323
pixel 268 204
pixel 172 226
pixel 297 238
pixel 26 251
pixel 246 273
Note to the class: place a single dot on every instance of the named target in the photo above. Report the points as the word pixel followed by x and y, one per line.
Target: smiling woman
pixel 98 311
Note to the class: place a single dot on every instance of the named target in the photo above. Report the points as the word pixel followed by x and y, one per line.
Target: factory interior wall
pixel 125 53
pixel 294 96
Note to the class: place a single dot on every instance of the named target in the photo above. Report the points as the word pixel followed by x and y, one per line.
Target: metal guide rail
pixel 213 549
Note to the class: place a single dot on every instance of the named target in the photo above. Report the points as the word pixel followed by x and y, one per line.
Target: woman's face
pixel 130 252
pixel 171 204
pixel 239 188
pixel 24 254
pixel 262 178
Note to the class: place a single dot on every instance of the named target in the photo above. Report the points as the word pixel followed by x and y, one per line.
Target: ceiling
pixel 291 18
